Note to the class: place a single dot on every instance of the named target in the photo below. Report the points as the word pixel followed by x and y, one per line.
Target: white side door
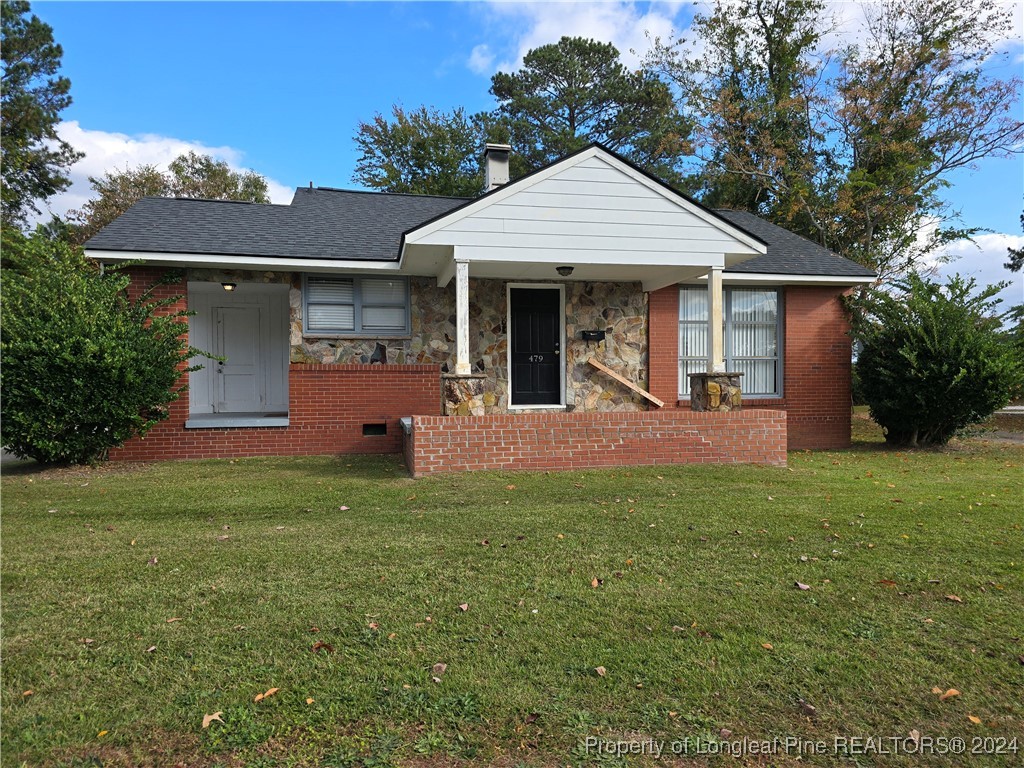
pixel 239 377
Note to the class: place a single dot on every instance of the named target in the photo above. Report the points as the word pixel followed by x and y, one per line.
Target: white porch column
pixel 716 358
pixel 462 366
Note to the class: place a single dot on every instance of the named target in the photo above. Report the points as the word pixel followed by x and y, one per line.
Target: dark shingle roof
pixel 788 253
pixel 319 224
pixel 326 223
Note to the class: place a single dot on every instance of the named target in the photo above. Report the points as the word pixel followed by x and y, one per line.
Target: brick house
pixel 584 315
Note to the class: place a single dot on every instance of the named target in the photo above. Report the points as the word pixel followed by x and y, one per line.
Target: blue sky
pixel 281 87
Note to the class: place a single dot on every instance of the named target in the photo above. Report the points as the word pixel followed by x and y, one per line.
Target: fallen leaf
pixel 510 487
pixel 261 696
pixel 279 528
pixel 915 735
pixel 343 508
pixel 86 640
pixel 887 582
pixel 601 671
pixel 531 718
pixel 975 720
pixel 724 733
pixel 801 586
pixel 949 694
pixel 808 709
pixel 463 607
pixel 936 689
pixel 28 693
pixel 101 734
pixel 207 719
pixel 223 538
pixel 436 679
pixel 152 561
pixel 485 543
pixel 768 646
pixel 319 645
pixel 151 649
pixel 677 628
pixel 373 625
pixel 953 599
pixel 173 619
pixel 310 700
pixel 440 668
pixel 596 582
pixel 560 536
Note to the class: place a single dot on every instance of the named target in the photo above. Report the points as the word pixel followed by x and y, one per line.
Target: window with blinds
pixel 356 306
pixel 752 332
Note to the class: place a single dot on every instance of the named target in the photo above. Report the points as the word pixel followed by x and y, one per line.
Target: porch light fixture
pixel 564 271
pixel 229 286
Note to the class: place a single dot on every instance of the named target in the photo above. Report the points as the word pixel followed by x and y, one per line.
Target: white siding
pixel 588 212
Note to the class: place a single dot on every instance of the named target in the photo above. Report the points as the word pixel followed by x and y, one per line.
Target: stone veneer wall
pixel 619 308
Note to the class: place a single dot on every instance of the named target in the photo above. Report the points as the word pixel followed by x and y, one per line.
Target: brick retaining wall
pixel 558 441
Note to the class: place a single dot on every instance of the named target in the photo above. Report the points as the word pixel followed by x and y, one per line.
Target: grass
pixel 256 561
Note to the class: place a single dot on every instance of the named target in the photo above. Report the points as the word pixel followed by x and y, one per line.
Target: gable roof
pixel 656 189
pixel 324 223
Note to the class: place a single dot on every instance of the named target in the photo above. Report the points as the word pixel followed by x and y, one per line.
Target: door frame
pixel 273 299
pixel 560 287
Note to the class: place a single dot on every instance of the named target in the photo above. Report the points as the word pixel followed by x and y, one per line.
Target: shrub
pixel 85 367
pixel 932 358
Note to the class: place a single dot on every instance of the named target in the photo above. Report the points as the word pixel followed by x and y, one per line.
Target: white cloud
pixel 106 151
pixel 519 27
pixel 481 60
pixel 983 260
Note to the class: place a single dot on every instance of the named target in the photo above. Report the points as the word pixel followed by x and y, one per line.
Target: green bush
pixel 932 358
pixel 84 367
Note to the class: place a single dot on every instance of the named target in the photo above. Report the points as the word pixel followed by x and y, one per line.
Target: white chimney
pixel 495 166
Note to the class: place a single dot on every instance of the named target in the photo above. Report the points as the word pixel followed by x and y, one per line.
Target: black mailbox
pixel 593 335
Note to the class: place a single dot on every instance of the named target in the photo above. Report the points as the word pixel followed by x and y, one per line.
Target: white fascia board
pixel 225 261
pixel 521 185
pixel 761 278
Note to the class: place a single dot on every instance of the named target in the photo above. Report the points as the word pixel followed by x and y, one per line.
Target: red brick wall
pixel 328 406
pixel 555 441
pixel 816 364
pixel 663 344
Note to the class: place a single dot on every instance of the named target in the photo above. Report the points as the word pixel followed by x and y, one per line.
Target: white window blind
pixel 354 305
pixel 752 332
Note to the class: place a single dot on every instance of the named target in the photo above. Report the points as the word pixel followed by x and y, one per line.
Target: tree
pixel 189 175
pixel 423 152
pixel 35 159
pixel 1016 255
pixel 85 367
pixel 857 152
pixel 932 359
pixel 576 91
pixel 753 94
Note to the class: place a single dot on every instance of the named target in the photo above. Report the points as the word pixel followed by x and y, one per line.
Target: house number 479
pixel 536 358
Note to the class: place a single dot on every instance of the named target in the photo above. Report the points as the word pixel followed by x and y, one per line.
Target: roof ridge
pixel 380 193
pixel 209 200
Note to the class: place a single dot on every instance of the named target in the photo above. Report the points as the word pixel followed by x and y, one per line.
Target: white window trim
pixel 357 293
pixel 508 346
pixel 727 290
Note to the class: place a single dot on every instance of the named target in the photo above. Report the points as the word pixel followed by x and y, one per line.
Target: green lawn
pixel 137 599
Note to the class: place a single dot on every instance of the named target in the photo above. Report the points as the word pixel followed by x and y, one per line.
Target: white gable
pixel 588 209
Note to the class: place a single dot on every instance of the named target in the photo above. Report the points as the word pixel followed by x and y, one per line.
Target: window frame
pixel 358 331
pixel 730 357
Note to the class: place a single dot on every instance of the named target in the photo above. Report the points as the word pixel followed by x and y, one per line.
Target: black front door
pixel 536 346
